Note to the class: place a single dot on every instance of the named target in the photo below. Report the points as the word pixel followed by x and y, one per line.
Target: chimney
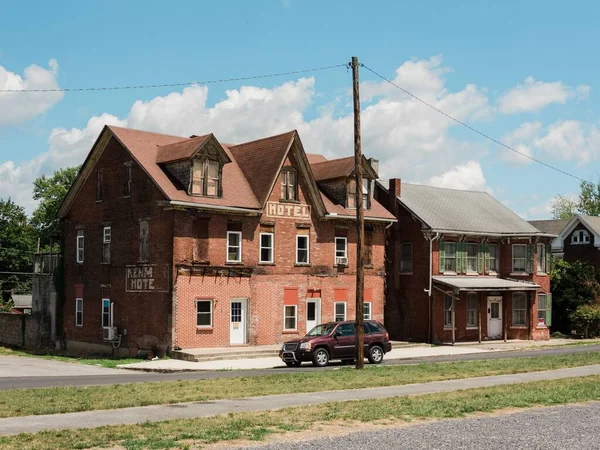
pixel 374 163
pixel 395 187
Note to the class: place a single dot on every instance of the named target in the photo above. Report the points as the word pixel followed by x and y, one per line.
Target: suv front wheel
pixel 321 357
pixel 375 354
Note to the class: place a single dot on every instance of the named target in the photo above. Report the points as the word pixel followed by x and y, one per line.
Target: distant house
pixel 578 239
pixel 462 266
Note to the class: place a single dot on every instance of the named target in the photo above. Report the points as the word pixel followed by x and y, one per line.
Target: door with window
pixel 238 321
pixel 494 317
pixel 313 313
pixel 344 341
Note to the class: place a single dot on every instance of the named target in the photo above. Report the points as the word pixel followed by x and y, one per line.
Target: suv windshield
pixel 322 330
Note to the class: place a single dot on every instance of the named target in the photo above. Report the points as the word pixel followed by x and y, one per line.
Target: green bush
pixel 586 320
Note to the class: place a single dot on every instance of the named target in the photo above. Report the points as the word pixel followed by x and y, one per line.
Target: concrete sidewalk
pixel 157 413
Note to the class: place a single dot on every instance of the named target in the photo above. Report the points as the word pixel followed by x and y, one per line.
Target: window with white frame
pixel 290 317
pixel 289 185
pixel 106 313
pixel 449 257
pixel 106 238
pixel 519 309
pixel 79 254
pixel 341 251
pixel 472 310
pixel 542 307
pixel 302 249
pixel 541 258
pixel 472 255
pixel 367 310
pixel 494 258
pixel 406 257
pixel 519 257
pixel 204 313
pixel 340 311
pixel 580 237
pixel 79 312
pixel 234 246
pixel 448 306
pixel 266 248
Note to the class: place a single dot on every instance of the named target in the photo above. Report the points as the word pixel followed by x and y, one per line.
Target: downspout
pixel 430 291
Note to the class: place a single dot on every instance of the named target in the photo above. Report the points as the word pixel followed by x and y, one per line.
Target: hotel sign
pixel 288 210
pixel 147 278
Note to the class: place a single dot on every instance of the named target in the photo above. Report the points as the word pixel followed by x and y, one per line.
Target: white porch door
pixel 237 321
pixel 494 317
pixel 313 313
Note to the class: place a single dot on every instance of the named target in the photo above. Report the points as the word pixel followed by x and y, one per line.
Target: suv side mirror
pixel 337 333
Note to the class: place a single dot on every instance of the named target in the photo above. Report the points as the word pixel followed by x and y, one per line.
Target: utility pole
pixel 360 276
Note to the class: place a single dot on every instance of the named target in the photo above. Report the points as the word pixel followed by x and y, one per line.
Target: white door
pixel 237 321
pixel 313 313
pixel 494 317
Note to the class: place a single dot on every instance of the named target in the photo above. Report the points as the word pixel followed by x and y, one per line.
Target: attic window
pixel 351 193
pixel 206 178
pixel 580 237
pixel 289 185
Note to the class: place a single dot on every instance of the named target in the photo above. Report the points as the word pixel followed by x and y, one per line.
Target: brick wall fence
pixel 24 330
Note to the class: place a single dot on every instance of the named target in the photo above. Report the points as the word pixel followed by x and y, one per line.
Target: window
pixel 290 318
pixel 99 182
pixel 341 251
pixel 266 247
pixel 448 306
pixel 367 310
pixel 368 248
pixel 494 258
pixel 519 258
pixel 351 194
pixel 519 309
pixel 346 329
pixel 406 257
pixel 128 177
pixel 472 255
pixel 450 257
pixel 289 186
pixel 373 327
pixel 106 237
pixel 541 258
pixel 234 246
pixel 106 313
pixel 580 237
pixel 472 310
pixel 144 240
pixel 542 308
pixel 79 312
pixel 204 313
pixel 340 311
pixel 206 178
pixel 366 197
pixel 302 249
pixel 79 256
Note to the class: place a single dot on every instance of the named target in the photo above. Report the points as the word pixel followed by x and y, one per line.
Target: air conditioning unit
pixel 341 261
pixel 109 333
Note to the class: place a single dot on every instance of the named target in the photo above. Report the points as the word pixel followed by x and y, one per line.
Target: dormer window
pixel 580 237
pixel 351 193
pixel 289 185
pixel 206 178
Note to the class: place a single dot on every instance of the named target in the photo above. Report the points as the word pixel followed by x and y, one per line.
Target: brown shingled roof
pixel 180 150
pixel 337 168
pixel 314 158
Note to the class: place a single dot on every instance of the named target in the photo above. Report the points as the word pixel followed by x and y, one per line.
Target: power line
pixel 188 83
pixel 473 129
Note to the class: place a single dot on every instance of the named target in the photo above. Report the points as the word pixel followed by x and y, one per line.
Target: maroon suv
pixel 336 340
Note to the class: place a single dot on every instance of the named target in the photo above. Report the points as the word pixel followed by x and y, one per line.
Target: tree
pixel 51 191
pixel 563 207
pixel 589 199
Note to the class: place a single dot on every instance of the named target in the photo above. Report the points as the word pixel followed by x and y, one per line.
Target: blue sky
pixel 523 73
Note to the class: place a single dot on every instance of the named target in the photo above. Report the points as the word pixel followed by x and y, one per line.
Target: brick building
pixel 462 266
pixel 186 242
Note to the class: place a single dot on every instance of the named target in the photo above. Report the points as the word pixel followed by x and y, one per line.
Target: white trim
pixel 104 240
pixel 335 311
pixel 335 250
pixel 78 301
pixel 295 318
pixel 512 265
pixel 79 247
pixel 217 207
pixel 239 233
pixel 110 316
pixel 272 248
pixel 513 309
pixel 370 310
pixel 307 236
pixel 210 301
pixel 370 219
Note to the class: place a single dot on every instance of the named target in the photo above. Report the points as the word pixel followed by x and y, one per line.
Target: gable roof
pixel 314 158
pixel 457 211
pixel 338 168
pixel 550 226
pixel 183 149
pixel 592 223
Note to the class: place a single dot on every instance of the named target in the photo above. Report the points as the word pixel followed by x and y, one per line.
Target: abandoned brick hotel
pixel 186 242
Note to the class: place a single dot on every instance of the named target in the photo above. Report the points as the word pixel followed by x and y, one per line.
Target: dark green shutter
pixel 548 258
pixel 487 258
pixel 464 257
pixel 480 258
pixel 442 256
pixel 548 310
pixel 459 257
pixel 530 254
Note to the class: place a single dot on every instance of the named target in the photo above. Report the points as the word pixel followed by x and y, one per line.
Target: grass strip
pixel 257 426
pixel 22 402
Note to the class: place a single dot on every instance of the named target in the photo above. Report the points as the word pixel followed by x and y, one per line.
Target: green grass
pixel 107 362
pixel 22 402
pixel 259 425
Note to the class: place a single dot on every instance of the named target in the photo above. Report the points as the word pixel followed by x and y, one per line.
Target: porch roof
pixel 485 283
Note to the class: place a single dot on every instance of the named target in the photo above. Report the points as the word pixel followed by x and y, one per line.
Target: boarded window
pixel 289 184
pixel 144 240
pixel 206 178
pixel 200 249
pixel 368 248
pixel 128 179
pixel 351 194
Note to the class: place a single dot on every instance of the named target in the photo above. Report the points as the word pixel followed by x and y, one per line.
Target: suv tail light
pixel 387 336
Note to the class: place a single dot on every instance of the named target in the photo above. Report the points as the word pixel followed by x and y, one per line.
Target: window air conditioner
pixel 109 333
pixel 341 261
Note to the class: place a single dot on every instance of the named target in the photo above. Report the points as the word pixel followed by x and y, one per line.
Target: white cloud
pixel 520 139
pixel 535 95
pixel 16 107
pixel 571 140
pixel 468 176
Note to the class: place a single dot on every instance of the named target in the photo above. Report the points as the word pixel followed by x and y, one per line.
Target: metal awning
pixel 485 283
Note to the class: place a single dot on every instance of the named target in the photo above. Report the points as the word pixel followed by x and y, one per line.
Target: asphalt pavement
pixel 112 376
pixel 553 428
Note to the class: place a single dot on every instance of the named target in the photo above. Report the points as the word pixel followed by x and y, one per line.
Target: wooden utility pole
pixel 360 276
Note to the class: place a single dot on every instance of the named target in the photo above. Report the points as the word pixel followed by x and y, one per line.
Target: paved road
pixel 157 413
pixel 555 428
pixel 140 377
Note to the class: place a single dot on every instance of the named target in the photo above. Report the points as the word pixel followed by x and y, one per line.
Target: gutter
pixel 506 235
pixel 215 207
pixel 370 219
